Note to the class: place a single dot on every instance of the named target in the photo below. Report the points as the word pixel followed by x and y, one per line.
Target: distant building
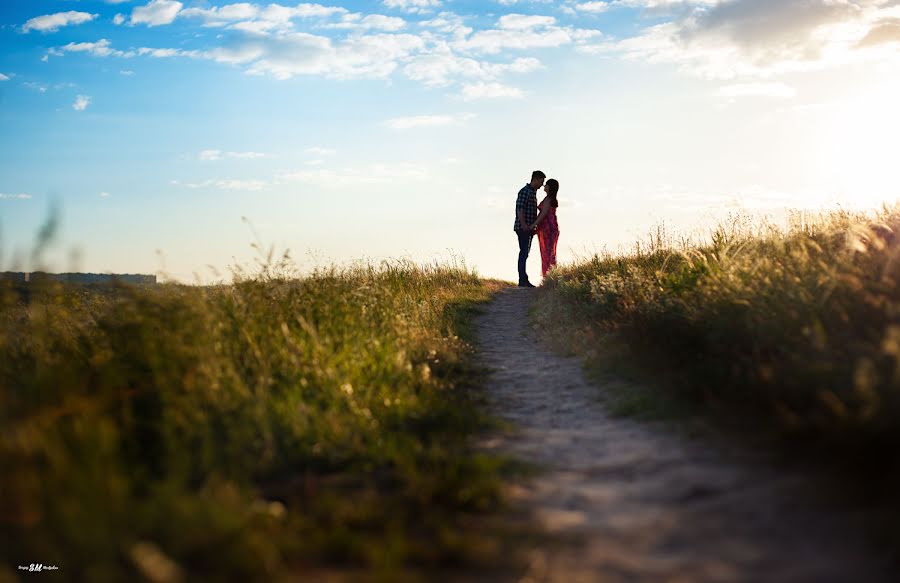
pixel 78 277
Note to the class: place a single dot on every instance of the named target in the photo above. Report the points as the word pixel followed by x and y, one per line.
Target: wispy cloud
pixel 222 15
pixel 420 121
pixel 229 184
pixel 53 22
pixel 441 70
pixel 81 102
pixel 521 32
pixel 368 22
pixel 524 22
pixel 3 77
pixel 213 155
pixel 413 5
pixel 14 196
pixel 438 51
pixel 592 7
pixel 100 48
pixel 156 13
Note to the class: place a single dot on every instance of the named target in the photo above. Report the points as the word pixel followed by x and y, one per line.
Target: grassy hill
pixel 246 431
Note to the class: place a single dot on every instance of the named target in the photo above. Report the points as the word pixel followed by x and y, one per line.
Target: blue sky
pixel 404 128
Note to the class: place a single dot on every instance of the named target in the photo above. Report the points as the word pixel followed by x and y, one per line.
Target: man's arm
pixel 521 214
pixel 520 210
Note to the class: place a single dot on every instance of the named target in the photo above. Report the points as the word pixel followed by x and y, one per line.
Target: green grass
pixel 793 331
pixel 246 431
pixel 630 388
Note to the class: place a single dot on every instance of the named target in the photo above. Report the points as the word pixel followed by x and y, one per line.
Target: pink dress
pixel 548 235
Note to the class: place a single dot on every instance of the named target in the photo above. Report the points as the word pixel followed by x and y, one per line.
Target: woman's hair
pixel 552 189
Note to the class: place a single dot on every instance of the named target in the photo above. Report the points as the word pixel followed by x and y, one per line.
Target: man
pixel 526 214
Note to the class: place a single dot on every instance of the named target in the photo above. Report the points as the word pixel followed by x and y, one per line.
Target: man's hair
pixel 538 174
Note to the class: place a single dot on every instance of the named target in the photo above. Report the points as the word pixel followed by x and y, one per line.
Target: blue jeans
pixel 525 238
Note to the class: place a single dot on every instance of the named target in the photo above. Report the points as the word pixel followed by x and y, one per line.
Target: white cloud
pixel 3 77
pixel 761 38
pixel 14 196
pixel 101 48
pixel 413 5
pixel 592 7
pixel 757 90
pixel 156 13
pixel 654 4
pixel 126 72
pixel 104 195
pixel 285 55
pixel 261 40
pixel 230 184
pixel 521 33
pixel 222 15
pixel 118 19
pixel 448 23
pixel 520 65
pixel 372 56
pixel 524 22
pixel 473 91
pixel 369 22
pixel 212 155
pixel 81 102
pixel 168 53
pixel 419 121
pixel 260 20
pixel 440 70
pixel 53 22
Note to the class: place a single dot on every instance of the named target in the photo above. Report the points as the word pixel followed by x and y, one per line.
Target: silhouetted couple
pixel 537 219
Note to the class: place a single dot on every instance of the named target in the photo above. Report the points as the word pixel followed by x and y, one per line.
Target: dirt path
pixel 646 504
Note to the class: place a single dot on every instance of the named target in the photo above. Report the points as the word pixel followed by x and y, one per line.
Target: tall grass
pixel 241 432
pixel 796 329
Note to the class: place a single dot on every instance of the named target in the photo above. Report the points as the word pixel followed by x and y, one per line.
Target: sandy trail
pixel 647 504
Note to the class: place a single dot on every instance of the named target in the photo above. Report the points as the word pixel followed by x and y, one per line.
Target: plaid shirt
pixel 527 202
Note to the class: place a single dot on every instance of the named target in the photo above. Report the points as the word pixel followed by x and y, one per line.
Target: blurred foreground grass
pixel 244 432
pixel 792 331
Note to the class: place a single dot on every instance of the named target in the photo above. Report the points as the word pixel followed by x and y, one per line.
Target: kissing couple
pixel 537 219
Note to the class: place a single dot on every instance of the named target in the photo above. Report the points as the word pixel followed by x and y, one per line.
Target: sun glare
pixel 860 161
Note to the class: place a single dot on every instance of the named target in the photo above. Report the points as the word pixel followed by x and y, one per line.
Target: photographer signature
pixel 38 567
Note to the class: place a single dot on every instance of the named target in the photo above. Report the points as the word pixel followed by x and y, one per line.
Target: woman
pixel 546 226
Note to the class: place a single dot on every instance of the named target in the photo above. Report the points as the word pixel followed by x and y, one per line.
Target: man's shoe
pixel 526 284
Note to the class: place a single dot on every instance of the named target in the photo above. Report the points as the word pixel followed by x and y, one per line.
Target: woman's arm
pixel 541 216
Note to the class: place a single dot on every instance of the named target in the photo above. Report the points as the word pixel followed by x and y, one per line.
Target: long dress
pixel 548 235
